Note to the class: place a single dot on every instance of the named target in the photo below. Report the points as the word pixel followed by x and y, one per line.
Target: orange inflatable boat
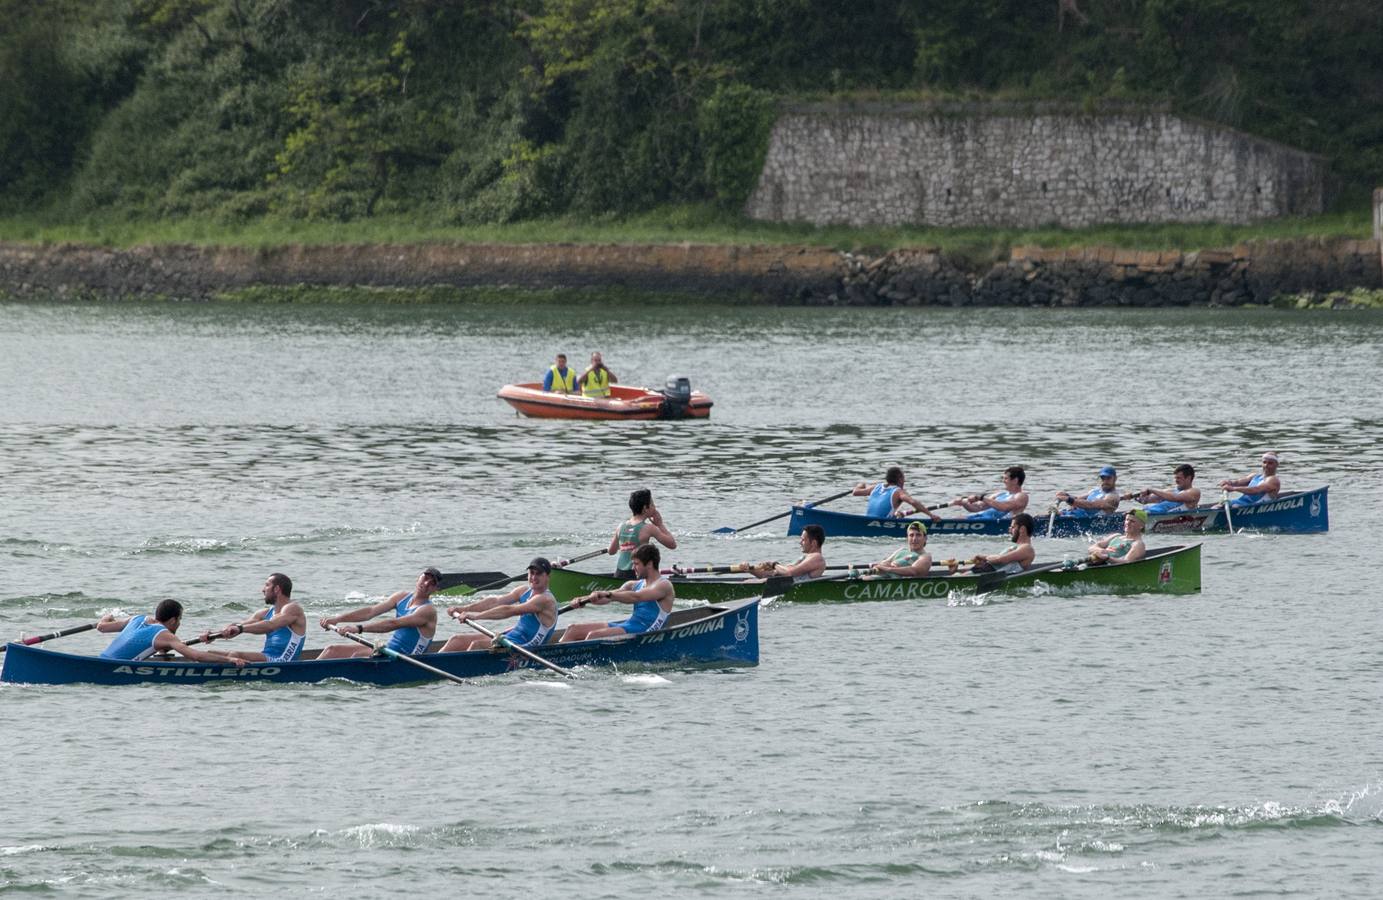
pixel 676 401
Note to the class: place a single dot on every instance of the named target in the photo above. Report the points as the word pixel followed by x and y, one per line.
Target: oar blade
pixel 468 579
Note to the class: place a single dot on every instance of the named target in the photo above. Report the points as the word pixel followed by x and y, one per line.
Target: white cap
pixel 1269 455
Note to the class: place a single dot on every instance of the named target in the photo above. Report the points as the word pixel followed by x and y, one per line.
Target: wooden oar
pixel 522 651
pixel 402 657
pixel 918 512
pixel 728 530
pixel 499 579
pixel 741 568
pixel 733 569
pixel 40 638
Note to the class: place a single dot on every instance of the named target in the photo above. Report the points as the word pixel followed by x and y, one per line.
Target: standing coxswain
pixel 413 625
pixel 644 526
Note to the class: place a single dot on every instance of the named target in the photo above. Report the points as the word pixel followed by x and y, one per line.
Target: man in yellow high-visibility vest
pixel 559 378
pixel 596 380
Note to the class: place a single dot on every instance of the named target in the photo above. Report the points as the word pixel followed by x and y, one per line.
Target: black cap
pixel 434 573
pixel 541 564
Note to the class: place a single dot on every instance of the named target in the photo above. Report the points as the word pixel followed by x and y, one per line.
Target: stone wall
pixel 1252 273
pixel 1247 274
pixel 990 165
pixel 194 272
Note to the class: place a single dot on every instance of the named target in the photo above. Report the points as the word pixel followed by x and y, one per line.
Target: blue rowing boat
pixel 726 634
pixel 1301 512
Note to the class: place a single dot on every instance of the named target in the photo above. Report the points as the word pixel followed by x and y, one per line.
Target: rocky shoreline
pixel 1256 273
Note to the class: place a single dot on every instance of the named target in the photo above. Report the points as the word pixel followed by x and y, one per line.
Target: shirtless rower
pixel 1015 559
pixel 650 594
pixel 1126 547
pixel 886 497
pixel 911 561
pixel 413 625
pixel 1100 500
pixel 1175 499
pixel 533 603
pixel 643 527
pixel 143 636
pixel 1011 501
pixel 812 564
pixel 1259 487
pixel 283 624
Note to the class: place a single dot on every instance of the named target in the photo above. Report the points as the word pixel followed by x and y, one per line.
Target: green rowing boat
pixel 1166 570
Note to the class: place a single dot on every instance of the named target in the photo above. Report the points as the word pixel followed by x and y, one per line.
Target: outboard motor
pixel 676 398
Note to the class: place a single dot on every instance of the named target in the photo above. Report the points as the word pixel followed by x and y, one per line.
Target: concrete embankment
pixel 1253 273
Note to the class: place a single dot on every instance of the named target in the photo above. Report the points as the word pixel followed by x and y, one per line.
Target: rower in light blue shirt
pixel 1011 501
pixel 886 497
pixel 283 624
pixel 1259 487
pixel 1182 497
pixel 651 596
pixel 533 603
pixel 411 630
pixel 143 636
pixel 1100 500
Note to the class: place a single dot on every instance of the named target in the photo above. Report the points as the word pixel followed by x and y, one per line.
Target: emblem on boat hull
pixel 1164 575
pixel 742 626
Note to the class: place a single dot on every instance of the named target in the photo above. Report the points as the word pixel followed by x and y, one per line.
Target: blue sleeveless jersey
pixel 648 615
pixel 992 513
pixel 1165 506
pixel 881 501
pixel 530 631
pixel 135 640
pixel 281 644
pixel 408 640
pixel 1251 499
pixel 1096 494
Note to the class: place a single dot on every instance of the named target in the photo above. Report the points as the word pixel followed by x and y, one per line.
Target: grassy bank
pixel 694 224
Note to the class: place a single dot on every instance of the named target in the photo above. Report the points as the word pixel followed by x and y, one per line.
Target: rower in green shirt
pixel 644 526
pixel 911 561
pixel 1123 548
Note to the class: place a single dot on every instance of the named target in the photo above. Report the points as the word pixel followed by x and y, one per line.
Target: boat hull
pixel 709 636
pixel 1302 512
pixel 623 403
pixel 1165 570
